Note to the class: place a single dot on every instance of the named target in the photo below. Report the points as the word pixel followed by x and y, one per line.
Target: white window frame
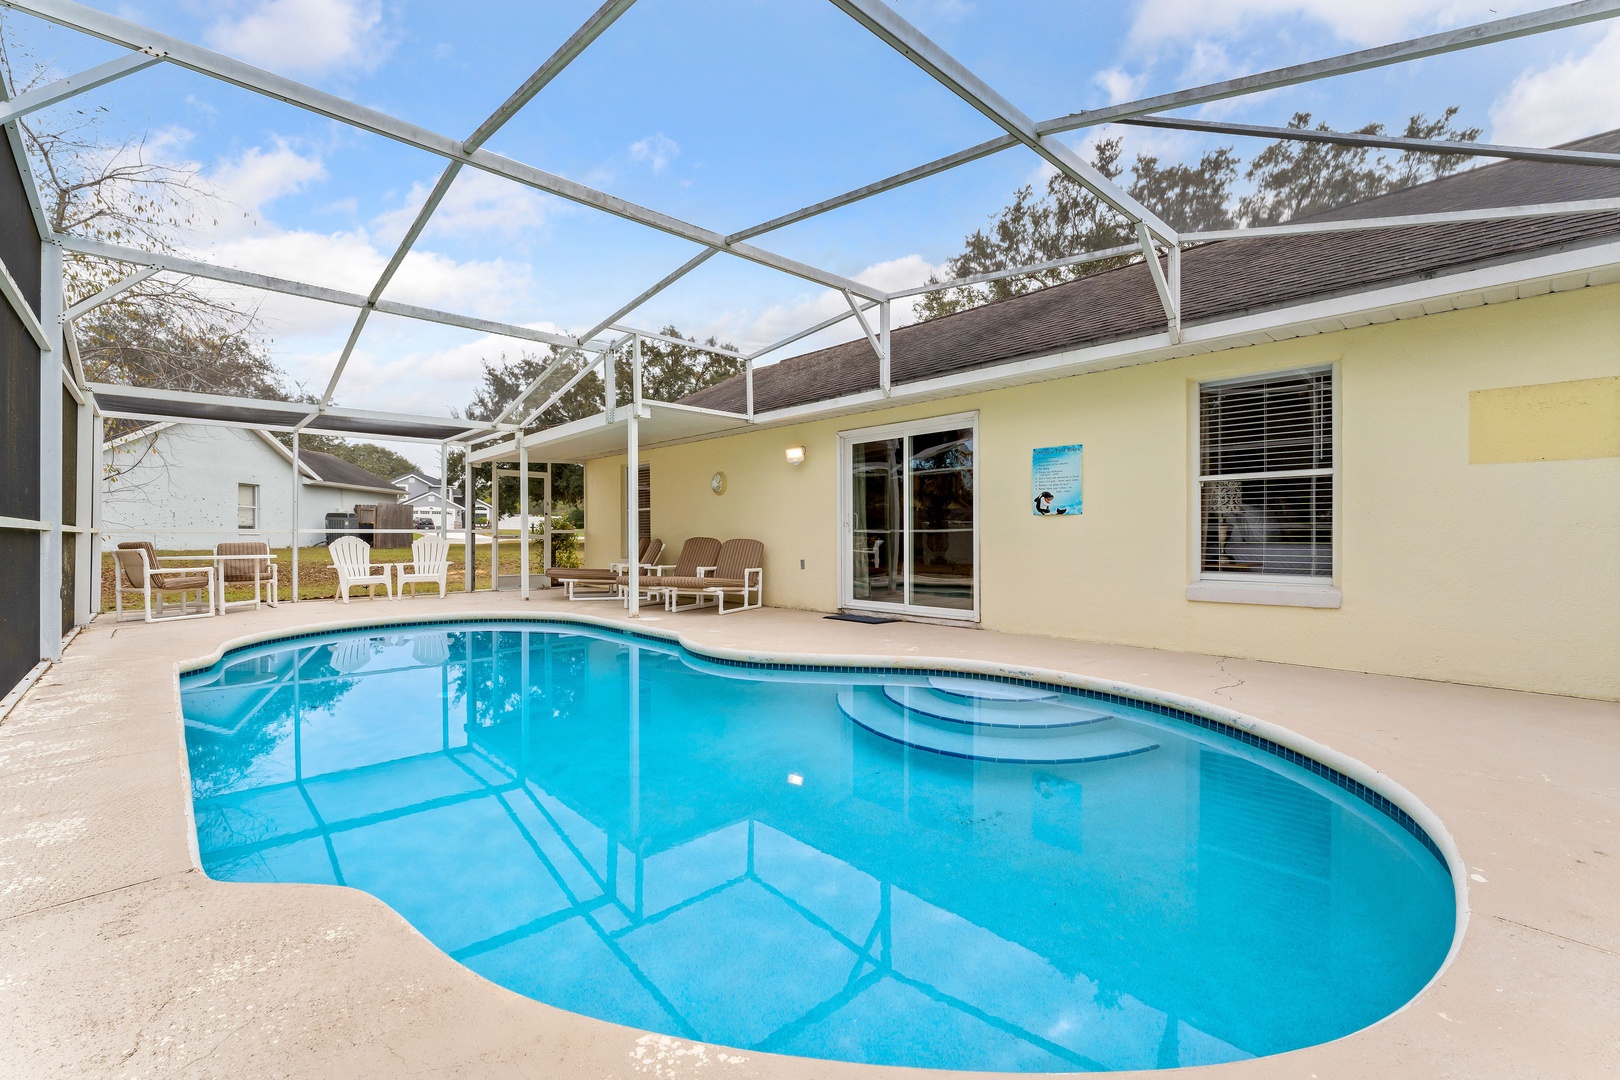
pixel 846 515
pixel 1284 590
pixel 240 506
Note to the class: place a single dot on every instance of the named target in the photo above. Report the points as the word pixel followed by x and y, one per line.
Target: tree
pixel 1292 179
pixel 164 332
pixel 1289 179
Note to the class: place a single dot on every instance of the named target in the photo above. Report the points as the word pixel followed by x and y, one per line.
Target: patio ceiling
pixel 661 424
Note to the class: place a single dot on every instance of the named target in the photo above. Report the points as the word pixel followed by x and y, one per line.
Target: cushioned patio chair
pixel 697 553
pixel 352 558
pixel 605 583
pixel 259 572
pixel 650 549
pixel 430 562
pixel 142 570
pixel 738 570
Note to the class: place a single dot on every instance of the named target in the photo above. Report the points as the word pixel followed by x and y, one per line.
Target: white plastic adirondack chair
pixel 430 562
pixel 352 558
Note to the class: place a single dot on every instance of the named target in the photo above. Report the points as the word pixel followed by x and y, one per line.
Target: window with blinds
pixel 1265 484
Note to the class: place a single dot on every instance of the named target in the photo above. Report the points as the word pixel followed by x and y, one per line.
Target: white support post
pixel 444 490
pixel 297 488
pixel 495 526
pixel 885 357
pixel 632 549
pixel 470 546
pixel 84 577
pixel 98 474
pixel 1169 290
pixel 50 452
pixel 610 387
pixel 880 345
pixel 523 518
pixel 748 383
pixel 545 532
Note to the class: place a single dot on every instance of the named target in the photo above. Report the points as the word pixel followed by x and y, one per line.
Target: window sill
pixel 1270 593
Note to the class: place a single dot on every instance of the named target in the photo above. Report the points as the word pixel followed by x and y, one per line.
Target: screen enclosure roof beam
pixel 43 97
pixel 1450 217
pixel 887 25
pixel 1388 142
pixel 251 280
pixel 144 403
pixel 1467 37
pixel 576 44
pixel 131 35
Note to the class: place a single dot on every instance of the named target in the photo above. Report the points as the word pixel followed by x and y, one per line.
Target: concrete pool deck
pixel 119 958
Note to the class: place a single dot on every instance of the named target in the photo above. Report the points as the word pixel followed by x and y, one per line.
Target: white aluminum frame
pixel 149 46
pixel 846 518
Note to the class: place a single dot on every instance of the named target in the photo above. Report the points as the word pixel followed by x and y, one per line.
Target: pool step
pixel 990 712
pixel 985 690
pixel 870 708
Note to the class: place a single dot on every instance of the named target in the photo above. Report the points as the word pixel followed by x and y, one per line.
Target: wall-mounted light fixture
pixel 795 455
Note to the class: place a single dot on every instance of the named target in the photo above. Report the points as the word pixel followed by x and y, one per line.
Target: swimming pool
pixel 897 867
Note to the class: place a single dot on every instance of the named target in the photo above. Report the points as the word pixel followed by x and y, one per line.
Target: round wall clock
pixel 717 483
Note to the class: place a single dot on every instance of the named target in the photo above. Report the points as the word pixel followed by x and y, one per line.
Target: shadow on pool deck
pixel 120 959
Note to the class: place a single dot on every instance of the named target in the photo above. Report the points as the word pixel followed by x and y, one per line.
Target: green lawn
pixel 317 580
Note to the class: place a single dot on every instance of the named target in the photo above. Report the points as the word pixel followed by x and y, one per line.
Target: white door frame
pixel 846 515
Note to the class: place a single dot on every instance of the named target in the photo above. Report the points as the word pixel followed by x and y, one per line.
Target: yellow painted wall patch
pixel 1558 421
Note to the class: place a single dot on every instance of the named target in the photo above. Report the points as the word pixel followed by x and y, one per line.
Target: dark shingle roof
pixel 334 470
pixel 1219 280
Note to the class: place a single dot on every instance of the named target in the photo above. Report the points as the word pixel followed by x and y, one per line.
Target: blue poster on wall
pixel 1055 480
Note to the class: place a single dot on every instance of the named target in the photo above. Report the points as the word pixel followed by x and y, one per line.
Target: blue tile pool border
pixel 1248 738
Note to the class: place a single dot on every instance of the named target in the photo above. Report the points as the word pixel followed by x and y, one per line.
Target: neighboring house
pixel 1391 449
pixel 196 485
pixel 422 495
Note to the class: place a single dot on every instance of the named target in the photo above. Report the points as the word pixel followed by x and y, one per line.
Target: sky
pixel 723 113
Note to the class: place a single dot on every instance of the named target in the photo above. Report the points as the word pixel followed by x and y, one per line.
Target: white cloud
pixel 478 202
pixel 260 177
pixel 352 261
pixel 1118 84
pixel 303 35
pixel 655 151
pixel 1576 96
pixel 1366 22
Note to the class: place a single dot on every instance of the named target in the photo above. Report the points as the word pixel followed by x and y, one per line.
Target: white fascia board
pixel 352 487
pixel 1301 320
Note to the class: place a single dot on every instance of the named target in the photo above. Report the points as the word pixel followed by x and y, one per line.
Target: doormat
pixel 862 618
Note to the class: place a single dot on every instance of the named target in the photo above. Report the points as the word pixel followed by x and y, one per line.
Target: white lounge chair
pixel 430 562
pixel 738 571
pixel 352 558
pixel 144 572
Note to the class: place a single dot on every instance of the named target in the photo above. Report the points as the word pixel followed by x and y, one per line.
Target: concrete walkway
pixel 118 958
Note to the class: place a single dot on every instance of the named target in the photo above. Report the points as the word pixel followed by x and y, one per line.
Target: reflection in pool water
pixel 620 828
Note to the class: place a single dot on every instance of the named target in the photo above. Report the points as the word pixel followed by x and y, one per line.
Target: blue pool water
pixel 802 861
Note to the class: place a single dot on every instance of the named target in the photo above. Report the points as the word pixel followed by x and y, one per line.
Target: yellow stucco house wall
pixel 1478 495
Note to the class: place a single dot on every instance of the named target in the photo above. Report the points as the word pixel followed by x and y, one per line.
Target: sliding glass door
pixel 910 540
